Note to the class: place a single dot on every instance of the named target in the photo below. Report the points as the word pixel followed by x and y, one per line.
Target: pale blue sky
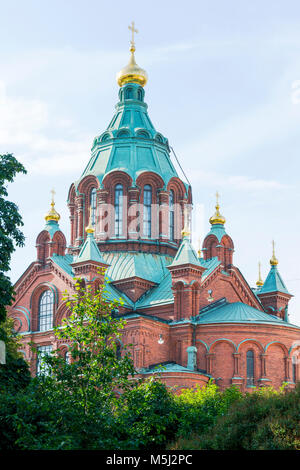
pixel 221 78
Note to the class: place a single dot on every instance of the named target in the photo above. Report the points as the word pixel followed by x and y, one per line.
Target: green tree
pixel 93 333
pixel 10 234
pixel 81 396
pixel 265 419
pixel 15 373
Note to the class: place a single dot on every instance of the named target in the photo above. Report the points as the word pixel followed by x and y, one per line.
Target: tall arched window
pixel 118 210
pixel 171 215
pixel 93 204
pixel 294 368
pixel 147 210
pixel 46 304
pixel 42 368
pixel 68 357
pixel 250 368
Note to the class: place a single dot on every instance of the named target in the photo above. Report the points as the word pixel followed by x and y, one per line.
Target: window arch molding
pixel 34 302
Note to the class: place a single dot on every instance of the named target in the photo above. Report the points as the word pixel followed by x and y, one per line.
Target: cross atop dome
pixel 217 218
pixel 132 73
pixel 52 215
pixel 133 30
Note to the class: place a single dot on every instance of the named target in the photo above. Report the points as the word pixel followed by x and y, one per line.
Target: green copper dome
pixel 130 142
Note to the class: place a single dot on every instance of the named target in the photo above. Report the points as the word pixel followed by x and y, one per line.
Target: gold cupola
pixel 273 260
pixel 217 218
pixel 52 215
pixel 259 282
pixel 132 73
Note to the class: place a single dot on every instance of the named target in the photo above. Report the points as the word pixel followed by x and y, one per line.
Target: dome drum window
pixel 118 210
pixel 147 210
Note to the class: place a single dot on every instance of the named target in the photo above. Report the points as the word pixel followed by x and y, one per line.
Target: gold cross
pixel 52 192
pixel 133 31
pixel 217 196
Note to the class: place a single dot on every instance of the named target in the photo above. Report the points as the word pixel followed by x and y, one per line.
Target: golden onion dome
pixel 273 260
pixel 217 218
pixel 52 214
pixel 132 73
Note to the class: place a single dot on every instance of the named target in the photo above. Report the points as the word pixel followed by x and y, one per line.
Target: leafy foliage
pixel 10 234
pixel 199 408
pixel 147 416
pixel 265 419
pixel 92 333
pixel 15 373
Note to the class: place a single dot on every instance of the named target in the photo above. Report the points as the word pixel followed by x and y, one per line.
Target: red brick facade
pixel 162 329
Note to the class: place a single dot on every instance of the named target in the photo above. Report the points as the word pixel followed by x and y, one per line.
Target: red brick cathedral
pixel 190 316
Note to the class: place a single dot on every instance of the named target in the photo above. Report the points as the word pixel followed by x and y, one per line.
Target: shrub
pixel 265 419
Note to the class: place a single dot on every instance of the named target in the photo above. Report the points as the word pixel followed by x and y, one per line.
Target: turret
pixel 273 294
pixel 51 240
pixel 89 264
pixel 217 242
pixel 186 272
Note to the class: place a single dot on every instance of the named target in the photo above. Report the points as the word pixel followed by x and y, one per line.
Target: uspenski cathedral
pixel 190 316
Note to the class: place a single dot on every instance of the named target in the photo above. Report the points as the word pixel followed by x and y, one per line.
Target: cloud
pixel 26 129
pixel 236 182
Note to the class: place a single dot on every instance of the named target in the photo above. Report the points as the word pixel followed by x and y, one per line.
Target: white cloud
pixel 235 182
pixel 24 130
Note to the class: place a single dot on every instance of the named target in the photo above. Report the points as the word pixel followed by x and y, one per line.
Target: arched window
pixel 68 357
pixel 294 368
pixel 43 351
pixel 171 215
pixel 46 303
pixel 118 210
pixel 139 95
pixel 147 210
pixel 250 368
pixel 93 203
pixel 129 94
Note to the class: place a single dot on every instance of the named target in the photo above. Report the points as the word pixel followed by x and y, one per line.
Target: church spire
pixel 132 73
pixel 273 260
pixel 259 282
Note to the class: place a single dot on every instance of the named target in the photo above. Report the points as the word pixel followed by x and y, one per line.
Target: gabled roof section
pixel 185 254
pixel 64 262
pixel 237 312
pixel 163 294
pixel 89 251
pixel 274 283
pixel 124 265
